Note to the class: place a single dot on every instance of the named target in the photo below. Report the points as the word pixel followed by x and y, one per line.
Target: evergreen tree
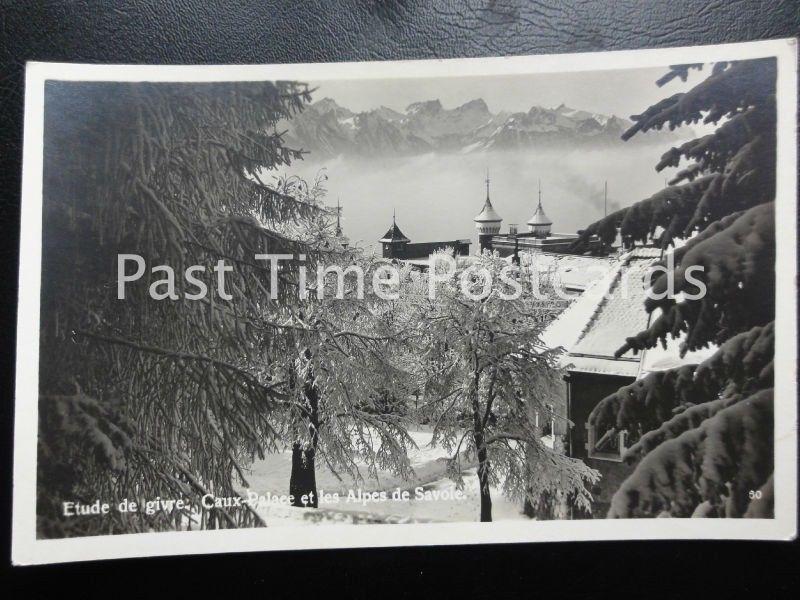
pixel 706 445
pixel 144 398
pixel 485 376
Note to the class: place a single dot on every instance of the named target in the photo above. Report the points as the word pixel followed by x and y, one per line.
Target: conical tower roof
pixel 488 214
pixel 394 234
pixel 539 218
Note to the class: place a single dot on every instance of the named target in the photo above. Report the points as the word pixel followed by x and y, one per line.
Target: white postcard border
pixel 26 549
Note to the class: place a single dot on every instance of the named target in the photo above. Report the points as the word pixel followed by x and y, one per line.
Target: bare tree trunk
pixel 303 480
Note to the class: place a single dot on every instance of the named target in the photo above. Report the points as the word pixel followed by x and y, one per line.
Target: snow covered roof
pixel 488 214
pixel 539 218
pixel 661 359
pixel 575 271
pixel 593 327
pixel 566 330
pixel 579 272
pixel 619 315
pixel 622 367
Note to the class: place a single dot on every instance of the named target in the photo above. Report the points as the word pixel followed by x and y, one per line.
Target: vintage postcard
pixel 516 299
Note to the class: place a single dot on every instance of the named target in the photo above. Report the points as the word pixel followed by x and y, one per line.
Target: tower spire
pixel 540 193
pixel 340 236
pixel 487 184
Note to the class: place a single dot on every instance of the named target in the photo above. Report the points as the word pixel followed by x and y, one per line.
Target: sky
pixel 621 92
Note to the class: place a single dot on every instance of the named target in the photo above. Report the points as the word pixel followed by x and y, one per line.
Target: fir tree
pixel 706 431
pixel 144 398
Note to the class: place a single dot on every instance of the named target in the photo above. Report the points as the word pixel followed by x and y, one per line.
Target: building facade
pixel 591 330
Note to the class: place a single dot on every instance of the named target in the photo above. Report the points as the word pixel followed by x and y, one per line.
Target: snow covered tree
pixel 705 432
pixel 485 375
pixel 347 386
pixel 143 398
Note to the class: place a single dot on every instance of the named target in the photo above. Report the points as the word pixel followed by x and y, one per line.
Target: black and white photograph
pixel 424 302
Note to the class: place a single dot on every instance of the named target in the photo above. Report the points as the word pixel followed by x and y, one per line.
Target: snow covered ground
pixel 441 501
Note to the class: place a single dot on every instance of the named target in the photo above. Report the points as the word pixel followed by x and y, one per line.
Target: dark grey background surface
pixel 268 31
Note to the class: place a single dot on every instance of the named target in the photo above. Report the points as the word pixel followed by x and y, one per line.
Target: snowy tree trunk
pixel 529 509
pixel 479 437
pixel 303 479
pixel 483 478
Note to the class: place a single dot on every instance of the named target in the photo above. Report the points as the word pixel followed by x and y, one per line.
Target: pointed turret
pixel 340 236
pixel 394 242
pixel 539 224
pixel 487 222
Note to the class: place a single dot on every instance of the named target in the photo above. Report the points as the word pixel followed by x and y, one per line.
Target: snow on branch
pixel 670 208
pixel 724 93
pixel 720 462
pixel 745 360
pixel 685 420
pixel 739 279
pixel 733 167
pixel 647 402
pixel 679 71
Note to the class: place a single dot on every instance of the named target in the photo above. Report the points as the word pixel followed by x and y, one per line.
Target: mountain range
pixel 327 129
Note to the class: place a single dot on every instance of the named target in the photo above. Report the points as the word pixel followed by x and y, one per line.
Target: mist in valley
pixel 435 196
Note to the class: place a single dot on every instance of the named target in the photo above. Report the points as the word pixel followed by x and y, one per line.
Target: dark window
pixel 608 445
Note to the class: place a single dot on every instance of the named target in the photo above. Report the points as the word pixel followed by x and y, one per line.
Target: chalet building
pixel 591 330
pixel 396 245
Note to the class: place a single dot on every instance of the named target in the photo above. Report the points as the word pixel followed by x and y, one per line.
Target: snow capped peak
pixel 563 109
pixel 327 128
pixel 427 107
pixel 327 108
pixel 388 113
pixel 325 104
pixel 478 104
